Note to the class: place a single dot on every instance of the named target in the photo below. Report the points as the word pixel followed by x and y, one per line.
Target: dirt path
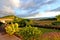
pixel 8 37
pixel 5 36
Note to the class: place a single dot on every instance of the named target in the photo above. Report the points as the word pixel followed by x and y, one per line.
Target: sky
pixel 28 8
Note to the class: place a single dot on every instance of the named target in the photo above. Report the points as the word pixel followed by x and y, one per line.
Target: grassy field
pixel 45 30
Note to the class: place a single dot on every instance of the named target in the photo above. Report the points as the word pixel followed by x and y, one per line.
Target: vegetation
pixel 56 23
pixel 22 28
pixel 21 22
pixel 46 30
pixel 9 16
pixel 58 18
pixel 12 28
pixel 1 23
pixel 29 33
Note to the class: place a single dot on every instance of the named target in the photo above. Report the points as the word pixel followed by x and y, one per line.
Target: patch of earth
pixel 51 36
pixel 8 37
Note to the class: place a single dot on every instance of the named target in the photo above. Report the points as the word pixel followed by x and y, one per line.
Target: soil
pixel 8 37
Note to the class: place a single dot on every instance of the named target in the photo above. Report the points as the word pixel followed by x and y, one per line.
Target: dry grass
pixel 51 36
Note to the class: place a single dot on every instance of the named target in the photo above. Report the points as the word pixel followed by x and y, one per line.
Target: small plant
pixel 11 29
pixel 29 33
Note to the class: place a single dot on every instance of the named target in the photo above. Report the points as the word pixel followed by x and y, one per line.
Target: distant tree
pixel 16 19
pixel 58 18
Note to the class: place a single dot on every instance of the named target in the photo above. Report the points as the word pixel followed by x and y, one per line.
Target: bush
pixel 21 22
pixel 1 23
pixel 58 18
pixel 11 29
pixel 29 33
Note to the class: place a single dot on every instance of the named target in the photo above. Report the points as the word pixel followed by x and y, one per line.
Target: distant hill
pixel 49 19
pixel 9 18
pixel 12 17
pixel 43 19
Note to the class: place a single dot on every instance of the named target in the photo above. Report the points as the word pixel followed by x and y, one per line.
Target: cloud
pixel 50 1
pixel 6 11
pixel 29 7
pixel 57 9
pixel 15 3
pixel 27 4
pixel 7 6
pixel 34 5
pixel 45 14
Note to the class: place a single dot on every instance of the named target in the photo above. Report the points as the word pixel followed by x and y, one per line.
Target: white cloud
pixel 7 6
pixel 27 4
pixel 15 3
pixel 45 14
pixel 8 10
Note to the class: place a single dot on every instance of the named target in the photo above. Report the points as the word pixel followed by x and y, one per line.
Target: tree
pixel 58 18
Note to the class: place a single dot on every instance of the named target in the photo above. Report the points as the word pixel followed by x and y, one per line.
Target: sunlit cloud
pixel 15 3
pixel 43 15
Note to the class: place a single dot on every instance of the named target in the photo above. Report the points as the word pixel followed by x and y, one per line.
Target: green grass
pixel 45 30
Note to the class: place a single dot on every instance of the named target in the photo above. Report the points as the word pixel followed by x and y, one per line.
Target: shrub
pixel 12 28
pixel 29 33
pixel 58 18
pixel 1 23
pixel 22 23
